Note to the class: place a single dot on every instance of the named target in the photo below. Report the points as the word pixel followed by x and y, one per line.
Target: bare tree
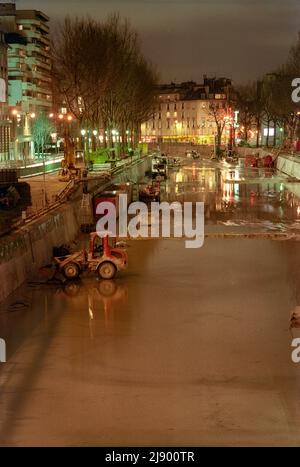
pixel 41 135
pixel 243 100
pixel 218 111
pixel 103 76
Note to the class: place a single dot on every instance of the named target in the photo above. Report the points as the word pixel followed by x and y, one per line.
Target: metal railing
pixel 68 190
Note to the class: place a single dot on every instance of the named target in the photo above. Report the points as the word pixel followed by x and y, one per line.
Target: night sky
pixel 239 39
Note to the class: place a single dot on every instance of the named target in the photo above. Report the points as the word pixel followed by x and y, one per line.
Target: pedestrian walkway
pixel 52 187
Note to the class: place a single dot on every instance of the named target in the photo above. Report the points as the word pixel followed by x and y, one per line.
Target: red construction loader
pixel 103 257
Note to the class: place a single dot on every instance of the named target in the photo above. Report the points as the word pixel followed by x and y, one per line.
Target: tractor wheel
pixel 71 271
pixel 107 270
pixel 107 288
pixel 72 288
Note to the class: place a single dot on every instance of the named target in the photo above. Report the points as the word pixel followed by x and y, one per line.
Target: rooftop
pixel 190 90
pixel 9 9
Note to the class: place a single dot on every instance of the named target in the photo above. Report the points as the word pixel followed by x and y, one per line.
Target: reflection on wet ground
pixel 184 348
pixel 187 347
pixel 237 196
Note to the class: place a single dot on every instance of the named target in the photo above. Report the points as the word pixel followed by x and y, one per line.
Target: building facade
pixel 182 112
pixel 5 126
pixel 29 68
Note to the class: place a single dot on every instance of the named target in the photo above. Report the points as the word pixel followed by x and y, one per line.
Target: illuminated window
pixel 271 132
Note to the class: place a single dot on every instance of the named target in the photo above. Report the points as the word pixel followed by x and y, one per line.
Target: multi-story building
pixel 5 129
pixel 183 112
pixel 29 67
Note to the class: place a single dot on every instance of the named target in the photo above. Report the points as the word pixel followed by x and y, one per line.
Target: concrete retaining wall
pixel 261 152
pixel 179 149
pixel 30 248
pixel 289 165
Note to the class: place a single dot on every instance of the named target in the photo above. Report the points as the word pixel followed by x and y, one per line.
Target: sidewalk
pixel 34 166
pixel 53 187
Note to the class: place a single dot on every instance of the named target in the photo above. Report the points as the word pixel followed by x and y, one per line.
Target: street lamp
pixel 83 134
pixel 14 129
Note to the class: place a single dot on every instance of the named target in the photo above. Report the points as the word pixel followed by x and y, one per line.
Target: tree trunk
pixel 246 133
pixel 268 129
pixel 218 143
pixel 275 134
pixel 258 131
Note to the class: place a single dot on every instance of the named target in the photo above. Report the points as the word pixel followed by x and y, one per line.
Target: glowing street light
pixel 83 132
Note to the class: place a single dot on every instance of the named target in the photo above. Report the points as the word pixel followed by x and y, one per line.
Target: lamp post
pixel 29 117
pixel 14 113
pixel 83 134
pixel 94 145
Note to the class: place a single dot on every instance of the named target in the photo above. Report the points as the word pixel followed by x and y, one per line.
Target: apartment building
pixel 182 112
pixel 5 129
pixel 29 67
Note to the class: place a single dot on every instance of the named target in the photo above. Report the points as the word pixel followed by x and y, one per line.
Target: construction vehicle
pixel 159 167
pixel 103 257
pixel 192 154
pixel 149 193
pixel 68 169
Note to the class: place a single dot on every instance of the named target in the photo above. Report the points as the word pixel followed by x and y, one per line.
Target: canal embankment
pixel 30 246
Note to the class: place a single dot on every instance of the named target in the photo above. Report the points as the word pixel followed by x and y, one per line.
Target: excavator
pixel 68 169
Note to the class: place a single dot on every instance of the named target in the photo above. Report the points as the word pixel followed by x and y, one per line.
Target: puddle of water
pixel 236 196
